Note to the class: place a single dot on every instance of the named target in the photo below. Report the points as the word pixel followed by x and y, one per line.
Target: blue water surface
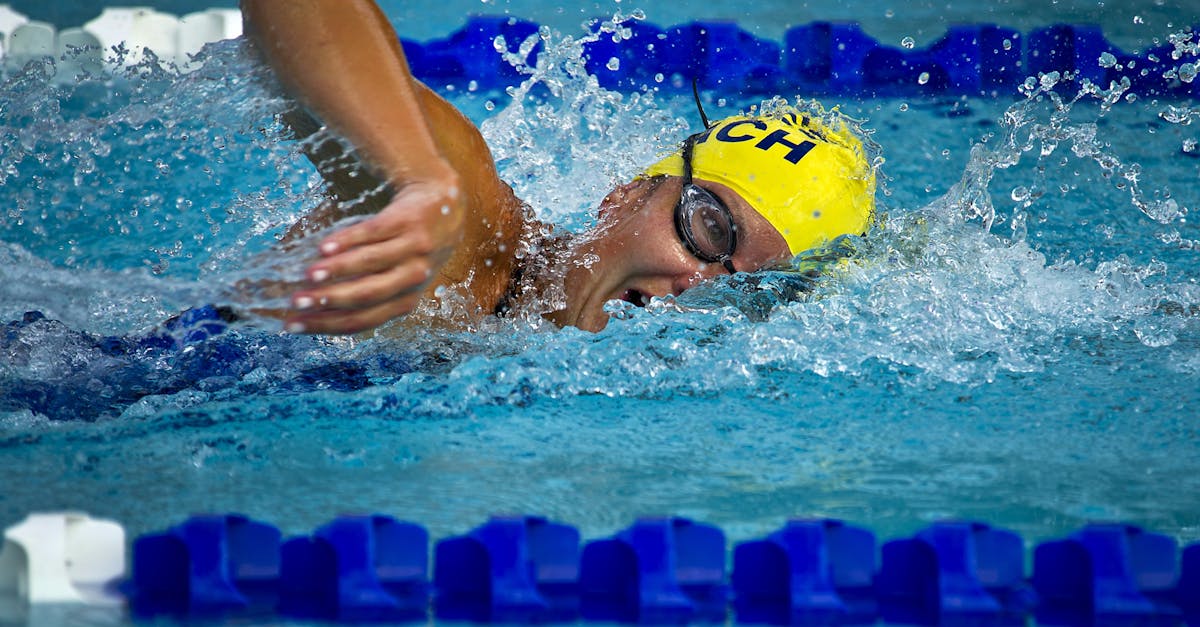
pixel 1017 342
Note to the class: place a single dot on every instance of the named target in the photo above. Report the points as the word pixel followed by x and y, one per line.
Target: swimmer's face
pixel 638 253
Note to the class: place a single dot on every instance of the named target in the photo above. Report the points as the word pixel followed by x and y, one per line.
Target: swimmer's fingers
pixel 409 248
pixel 430 207
pixel 375 270
pixel 367 291
pixel 345 322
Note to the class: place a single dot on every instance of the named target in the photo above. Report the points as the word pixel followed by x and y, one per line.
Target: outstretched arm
pixel 342 61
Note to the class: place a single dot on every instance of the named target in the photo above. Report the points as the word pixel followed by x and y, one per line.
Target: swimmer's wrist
pixel 436 173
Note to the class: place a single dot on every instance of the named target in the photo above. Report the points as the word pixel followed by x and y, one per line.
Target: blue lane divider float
pixel 820 58
pixel 951 571
pixel 512 569
pixel 809 571
pixel 1108 572
pixel 356 568
pixel 205 565
pixel 1188 590
pixel 526 569
pixel 659 570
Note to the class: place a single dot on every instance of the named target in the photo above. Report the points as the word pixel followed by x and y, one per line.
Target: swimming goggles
pixel 703 222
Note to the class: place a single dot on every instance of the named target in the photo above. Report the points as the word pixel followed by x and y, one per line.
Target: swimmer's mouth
pixel 636 297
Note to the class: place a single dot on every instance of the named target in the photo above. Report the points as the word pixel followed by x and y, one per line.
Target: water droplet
pixel 445 210
pixel 1154 334
pixel 889 14
pixel 1187 72
pixel 613 64
pixel 1137 19
pixel 923 78
pixel 946 152
pixel 1189 145
pixel 904 106
pixel 658 78
pixel 1007 44
pixel 472 86
pixel 907 43
pixel 1107 60
pixel 1020 193
pixel 500 44
pixel 489 105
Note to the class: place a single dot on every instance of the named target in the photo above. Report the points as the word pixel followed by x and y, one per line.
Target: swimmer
pixel 747 193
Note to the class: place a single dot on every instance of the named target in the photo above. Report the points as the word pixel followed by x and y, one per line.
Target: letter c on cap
pixel 725 136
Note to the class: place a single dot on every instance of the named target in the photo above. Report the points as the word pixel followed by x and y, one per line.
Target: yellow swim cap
pixel 811 181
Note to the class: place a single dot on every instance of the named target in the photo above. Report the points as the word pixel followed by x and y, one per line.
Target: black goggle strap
pixel 700 107
pixel 686 154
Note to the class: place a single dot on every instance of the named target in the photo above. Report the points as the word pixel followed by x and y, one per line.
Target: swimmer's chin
pixel 588 319
pixel 591 324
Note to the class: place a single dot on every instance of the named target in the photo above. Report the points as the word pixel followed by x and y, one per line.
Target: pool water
pixel 1017 342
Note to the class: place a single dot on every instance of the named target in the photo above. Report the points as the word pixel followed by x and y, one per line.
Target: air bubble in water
pixel 1137 19
pixel 923 78
pixel 907 43
pixel 613 64
pixel 1107 60
pixel 1020 193
pixel 889 14
pixel 1007 44
pixel 658 78
pixel 1189 145
pixel 904 106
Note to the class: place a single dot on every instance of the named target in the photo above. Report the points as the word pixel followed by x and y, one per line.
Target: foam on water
pixel 1018 245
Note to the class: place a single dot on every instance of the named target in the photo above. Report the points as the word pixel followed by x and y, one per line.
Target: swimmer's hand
pixel 378 269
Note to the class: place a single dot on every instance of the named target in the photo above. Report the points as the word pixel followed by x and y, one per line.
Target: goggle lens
pixel 708 226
